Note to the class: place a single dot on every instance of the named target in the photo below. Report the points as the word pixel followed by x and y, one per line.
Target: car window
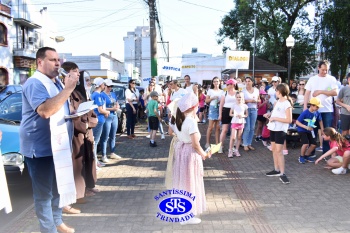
pixel 11 107
pixel 119 92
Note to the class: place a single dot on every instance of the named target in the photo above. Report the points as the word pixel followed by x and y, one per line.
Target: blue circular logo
pixel 175 206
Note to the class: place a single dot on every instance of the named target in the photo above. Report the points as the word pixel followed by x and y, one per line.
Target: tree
pixel 276 20
pixel 335 36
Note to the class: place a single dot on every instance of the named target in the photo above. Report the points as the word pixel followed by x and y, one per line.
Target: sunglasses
pixel 133 83
pixel 109 86
pixel 229 84
pixel 87 80
pixel 302 84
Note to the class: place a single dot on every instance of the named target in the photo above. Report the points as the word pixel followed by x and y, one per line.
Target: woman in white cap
pixel 226 103
pixel 111 125
pixel 189 155
pixel 272 90
pixel 101 113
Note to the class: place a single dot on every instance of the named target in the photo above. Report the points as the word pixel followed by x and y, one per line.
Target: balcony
pixel 26 23
pixel 25 50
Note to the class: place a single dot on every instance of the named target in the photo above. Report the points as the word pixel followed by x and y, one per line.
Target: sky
pixel 92 27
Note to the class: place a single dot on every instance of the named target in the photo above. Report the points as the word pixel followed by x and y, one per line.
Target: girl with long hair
pixel 201 104
pixel 340 151
pixel 226 103
pixel 213 99
pixel 132 99
pixel 238 113
pixel 279 120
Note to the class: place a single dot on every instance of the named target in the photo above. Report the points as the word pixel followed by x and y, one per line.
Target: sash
pixel 61 146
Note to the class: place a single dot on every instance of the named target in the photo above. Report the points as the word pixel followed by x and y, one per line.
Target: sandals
pixel 70 210
pixel 89 193
pixel 95 190
pixel 246 148
pixel 251 148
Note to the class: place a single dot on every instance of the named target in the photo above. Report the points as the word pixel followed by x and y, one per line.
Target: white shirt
pixel 189 126
pixel 178 94
pixel 327 83
pixel 134 96
pixel 238 109
pixel 251 96
pixel 211 93
pixel 272 93
pixel 280 111
pixel 189 88
pixel 229 100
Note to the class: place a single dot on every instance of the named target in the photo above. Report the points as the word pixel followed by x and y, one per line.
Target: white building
pixel 103 65
pixel 137 53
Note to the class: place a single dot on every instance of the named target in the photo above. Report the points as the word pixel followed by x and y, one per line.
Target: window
pixel 3 35
pixel 4 78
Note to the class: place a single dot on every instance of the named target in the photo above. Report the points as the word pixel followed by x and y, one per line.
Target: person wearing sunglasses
pixel 132 99
pixel 301 92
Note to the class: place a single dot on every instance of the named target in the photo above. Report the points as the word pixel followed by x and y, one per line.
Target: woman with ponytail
pixel 340 151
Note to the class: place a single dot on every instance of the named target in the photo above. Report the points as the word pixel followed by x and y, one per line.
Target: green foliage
pixel 276 20
pixel 335 35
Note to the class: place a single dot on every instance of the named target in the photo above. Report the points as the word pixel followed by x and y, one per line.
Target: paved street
pixel 240 198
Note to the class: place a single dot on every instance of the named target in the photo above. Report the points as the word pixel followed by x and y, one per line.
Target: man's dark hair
pixel 68 66
pixel 42 52
pixel 324 62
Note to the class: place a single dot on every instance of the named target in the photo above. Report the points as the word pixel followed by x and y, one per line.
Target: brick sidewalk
pixel 240 198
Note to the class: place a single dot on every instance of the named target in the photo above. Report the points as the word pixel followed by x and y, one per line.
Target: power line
pixel 202 6
pixel 53 3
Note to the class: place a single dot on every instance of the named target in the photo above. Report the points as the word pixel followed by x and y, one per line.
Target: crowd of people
pixel 60 149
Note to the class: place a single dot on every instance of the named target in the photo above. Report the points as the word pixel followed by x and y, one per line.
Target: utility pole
pixel 153 15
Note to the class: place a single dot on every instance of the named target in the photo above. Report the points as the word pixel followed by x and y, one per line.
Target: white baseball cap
pixel 98 81
pixel 109 82
pixel 275 78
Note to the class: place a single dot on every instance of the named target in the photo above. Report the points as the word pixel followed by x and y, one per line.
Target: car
pixel 10 118
pixel 9 89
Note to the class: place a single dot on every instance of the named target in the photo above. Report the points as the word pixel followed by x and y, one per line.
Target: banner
pixel 237 60
pixel 169 69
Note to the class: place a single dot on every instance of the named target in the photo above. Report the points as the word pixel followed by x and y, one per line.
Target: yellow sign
pixel 237 59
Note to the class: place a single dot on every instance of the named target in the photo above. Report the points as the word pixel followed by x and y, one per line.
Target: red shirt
pixel 333 144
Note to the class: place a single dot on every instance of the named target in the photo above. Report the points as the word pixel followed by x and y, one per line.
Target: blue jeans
pixel 45 194
pixel 97 131
pixel 249 127
pixel 327 119
pixel 109 131
pixel 130 119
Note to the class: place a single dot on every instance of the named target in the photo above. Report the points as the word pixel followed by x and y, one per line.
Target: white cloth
pixel 300 99
pixel 178 94
pixel 327 83
pixel 229 100
pixel 189 88
pixel 251 96
pixel 238 109
pixel 5 201
pixel 189 126
pixel 61 147
pixel 279 111
pixel 272 93
pixel 212 93
pixel 132 95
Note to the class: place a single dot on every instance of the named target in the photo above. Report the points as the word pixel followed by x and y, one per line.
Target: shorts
pixel 225 116
pixel 237 126
pixel 201 109
pixel 153 122
pixel 340 159
pixel 277 137
pixel 306 138
pixel 344 122
pixel 261 118
pixel 213 113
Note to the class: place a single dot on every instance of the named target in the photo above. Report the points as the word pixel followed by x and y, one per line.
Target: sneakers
pixel 104 159
pixel 284 179
pixel 230 154
pixel 162 137
pixel 273 173
pixel 285 152
pixel 258 138
pixel 114 156
pixel 309 159
pixel 191 221
pixel 207 145
pixel 204 121
pixel 154 144
pixel 221 150
pixel 265 143
pixel 301 159
pixel 339 171
pixel 99 164
pixel 148 136
pixel 319 149
pixel 237 153
pixel 269 147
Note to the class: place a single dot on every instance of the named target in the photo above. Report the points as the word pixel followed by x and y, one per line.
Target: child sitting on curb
pixel 306 124
pixel 340 151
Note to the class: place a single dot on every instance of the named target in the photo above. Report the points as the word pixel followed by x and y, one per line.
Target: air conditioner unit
pixel 31 40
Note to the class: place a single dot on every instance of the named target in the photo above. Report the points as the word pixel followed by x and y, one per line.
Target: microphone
pixel 64 73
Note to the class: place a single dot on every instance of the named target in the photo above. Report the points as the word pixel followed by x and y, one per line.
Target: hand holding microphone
pixel 64 73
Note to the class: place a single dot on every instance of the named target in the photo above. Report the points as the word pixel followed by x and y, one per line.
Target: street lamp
pixel 254 47
pixel 290 44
